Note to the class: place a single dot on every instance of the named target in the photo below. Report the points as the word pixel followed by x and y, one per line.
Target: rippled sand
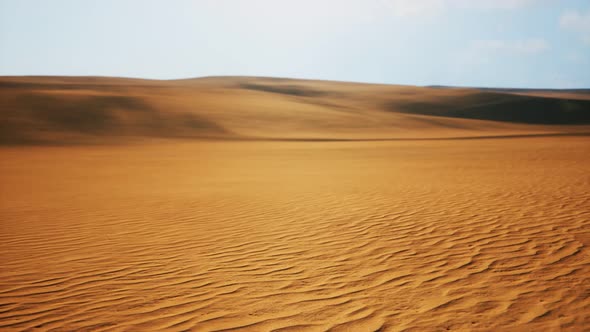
pixel 481 234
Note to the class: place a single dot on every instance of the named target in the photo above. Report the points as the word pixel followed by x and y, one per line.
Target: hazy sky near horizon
pixel 500 43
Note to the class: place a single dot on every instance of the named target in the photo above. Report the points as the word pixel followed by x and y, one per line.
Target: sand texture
pixel 257 204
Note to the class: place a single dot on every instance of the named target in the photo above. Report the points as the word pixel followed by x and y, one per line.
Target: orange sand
pixel 137 227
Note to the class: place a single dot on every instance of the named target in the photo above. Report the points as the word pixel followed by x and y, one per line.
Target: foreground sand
pixel 482 234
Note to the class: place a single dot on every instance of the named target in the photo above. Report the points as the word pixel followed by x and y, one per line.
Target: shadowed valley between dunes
pixel 267 204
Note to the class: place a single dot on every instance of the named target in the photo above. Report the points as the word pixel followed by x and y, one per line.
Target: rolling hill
pixel 83 110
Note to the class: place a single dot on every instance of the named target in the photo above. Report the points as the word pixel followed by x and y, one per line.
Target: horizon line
pixel 442 86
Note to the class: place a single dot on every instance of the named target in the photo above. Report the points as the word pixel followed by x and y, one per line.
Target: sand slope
pixel 57 110
pixel 204 228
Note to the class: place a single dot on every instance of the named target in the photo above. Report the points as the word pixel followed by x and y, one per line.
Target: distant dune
pixel 583 94
pixel 76 110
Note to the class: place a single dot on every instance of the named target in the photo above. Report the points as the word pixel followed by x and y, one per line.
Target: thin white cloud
pixel 578 22
pixel 405 8
pixel 493 4
pixel 577 57
pixel 485 52
pixel 429 8
pixel 517 47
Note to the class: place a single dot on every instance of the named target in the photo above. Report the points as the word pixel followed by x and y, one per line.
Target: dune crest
pixel 79 110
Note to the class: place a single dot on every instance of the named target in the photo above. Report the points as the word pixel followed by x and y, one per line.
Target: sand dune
pixel 58 110
pixel 258 204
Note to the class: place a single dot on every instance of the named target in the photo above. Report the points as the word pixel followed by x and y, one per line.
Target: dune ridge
pixel 79 110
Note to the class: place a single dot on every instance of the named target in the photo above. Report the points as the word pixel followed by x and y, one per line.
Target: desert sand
pixel 261 204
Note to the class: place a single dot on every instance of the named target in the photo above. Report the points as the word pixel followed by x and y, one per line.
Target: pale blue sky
pixel 501 43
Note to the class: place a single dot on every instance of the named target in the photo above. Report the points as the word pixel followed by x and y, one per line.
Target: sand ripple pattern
pixel 391 236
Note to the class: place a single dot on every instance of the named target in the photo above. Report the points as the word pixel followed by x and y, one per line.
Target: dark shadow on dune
pixel 441 122
pixel 501 107
pixel 72 86
pixel 452 138
pixel 39 118
pixel 292 90
pixel 502 90
pixel 90 114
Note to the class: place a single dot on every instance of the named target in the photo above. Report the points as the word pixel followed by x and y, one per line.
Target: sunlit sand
pixel 283 205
